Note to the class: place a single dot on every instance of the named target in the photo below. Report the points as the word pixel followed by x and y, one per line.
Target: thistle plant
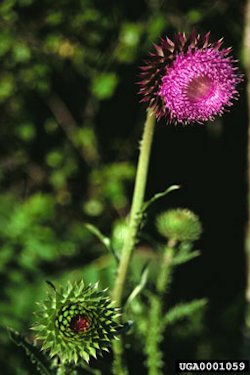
pixel 185 80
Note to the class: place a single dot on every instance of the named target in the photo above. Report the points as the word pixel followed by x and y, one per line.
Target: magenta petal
pixel 199 85
pixel 189 79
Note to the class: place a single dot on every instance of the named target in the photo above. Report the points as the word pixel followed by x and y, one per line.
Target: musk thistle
pixel 189 79
pixel 76 322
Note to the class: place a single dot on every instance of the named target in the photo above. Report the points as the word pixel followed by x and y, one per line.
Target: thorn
pixel 51 285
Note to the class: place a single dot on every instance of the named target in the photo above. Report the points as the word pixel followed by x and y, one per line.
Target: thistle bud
pixel 179 225
pixel 76 322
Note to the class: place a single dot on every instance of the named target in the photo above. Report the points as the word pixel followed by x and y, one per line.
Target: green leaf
pixel 26 131
pixel 194 16
pixel 104 84
pixel 21 53
pixel 158 196
pixel 183 310
pixel 7 87
pixel 184 258
pixel 184 254
pixel 36 357
pixel 139 287
pixel 102 238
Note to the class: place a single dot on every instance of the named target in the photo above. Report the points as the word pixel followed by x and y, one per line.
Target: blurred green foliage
pixel 60 163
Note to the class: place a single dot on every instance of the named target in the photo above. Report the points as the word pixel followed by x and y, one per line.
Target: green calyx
pixel 76 322
pixel 179 225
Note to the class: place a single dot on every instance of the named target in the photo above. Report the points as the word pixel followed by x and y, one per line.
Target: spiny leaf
pixel 159 195
pixel 102 238
pixel 183 310
pixel 36 357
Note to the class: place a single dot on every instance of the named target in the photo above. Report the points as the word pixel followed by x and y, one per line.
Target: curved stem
pixel 138 197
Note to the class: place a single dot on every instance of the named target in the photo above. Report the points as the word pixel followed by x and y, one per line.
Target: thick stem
pixel 138 197
pixel 130 240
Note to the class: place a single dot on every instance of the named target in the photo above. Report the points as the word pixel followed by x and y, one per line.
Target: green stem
pixel 118 366
pixel 154 356
pixel 165 270
pixel 134 222
pixel 138 197
pixel 154 337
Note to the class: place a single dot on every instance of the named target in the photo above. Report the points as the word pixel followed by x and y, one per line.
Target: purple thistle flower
pixel 190 79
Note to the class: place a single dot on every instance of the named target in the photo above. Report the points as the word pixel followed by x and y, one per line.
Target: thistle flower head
pixel 179 224
pixel 189 79
pixel 76 322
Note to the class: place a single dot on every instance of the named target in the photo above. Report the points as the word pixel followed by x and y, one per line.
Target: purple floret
pixel 199 85
pixel 189 79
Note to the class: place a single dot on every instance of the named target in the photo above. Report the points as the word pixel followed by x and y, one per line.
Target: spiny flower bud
pixel 76 322
pixel 179 225
pixel 189 79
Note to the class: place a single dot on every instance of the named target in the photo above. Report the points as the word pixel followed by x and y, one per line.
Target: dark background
pixel 70 126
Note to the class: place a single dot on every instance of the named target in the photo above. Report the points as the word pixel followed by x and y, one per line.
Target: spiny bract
pixel 76 322
pixel 179 224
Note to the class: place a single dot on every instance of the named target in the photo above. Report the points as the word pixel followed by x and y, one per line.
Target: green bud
pixel 179 224
pixel 76 322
